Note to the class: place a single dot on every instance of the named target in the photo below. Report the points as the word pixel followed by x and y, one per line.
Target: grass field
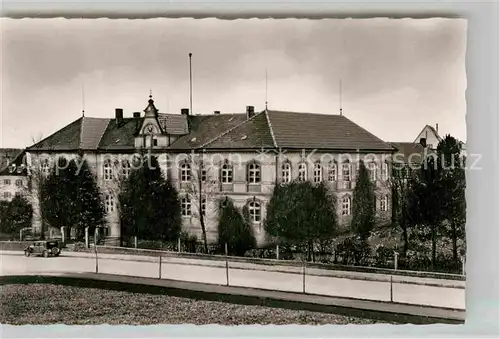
pixel 57 304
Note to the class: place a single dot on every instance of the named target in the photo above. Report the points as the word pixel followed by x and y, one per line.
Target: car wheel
pixel 27 253
pixel 45 254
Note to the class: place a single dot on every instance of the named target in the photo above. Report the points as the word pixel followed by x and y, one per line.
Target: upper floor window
pixel 318 173
pixel 126 168
pixel 385 171
pixel 346 171
pixel 203 173
pixel 254 211
pixel 44 167
pixel 186 206
pixel 372 169
pixel 286 172
pixel 108 170
pixel 185 172
pixel 253 173
pixel 203 206
pixel 346 206
pixel 227 173
pixel 109 203
pixel 332 171
pixel 302 172
pixel 6 181
pixel 384 203
pixel 19 182
pixel 7 195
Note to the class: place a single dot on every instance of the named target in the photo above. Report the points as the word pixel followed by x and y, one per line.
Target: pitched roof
pixel 7 155
pixel 91 131
pixel 120 136
pixel 432 129
pixel 323 131
pixel 67 138
pixel 15 165
pixel 174 124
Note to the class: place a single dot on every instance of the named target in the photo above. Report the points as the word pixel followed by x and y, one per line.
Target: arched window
pixel 253 170
pixel 125 168
pixel 108 170
pixel 45 167
pixel 346 206
pixel 332 171
pixel 346 174
pixel 286 172
pixel 372 169
pixel 109 203
pixel 384 203
pixel 254 211
pixel 302 172
pixel 185 172
pixel 185 206
pixel 227 173
pixel 318 173
pixel 385 171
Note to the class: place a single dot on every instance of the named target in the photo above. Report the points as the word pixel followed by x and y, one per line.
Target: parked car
pixel 45 248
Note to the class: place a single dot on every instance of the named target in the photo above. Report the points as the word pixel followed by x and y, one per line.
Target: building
pixel 13 173
pixel 429 137
pixel 244 155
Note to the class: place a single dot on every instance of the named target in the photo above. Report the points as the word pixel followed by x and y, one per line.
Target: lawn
pixel 52 304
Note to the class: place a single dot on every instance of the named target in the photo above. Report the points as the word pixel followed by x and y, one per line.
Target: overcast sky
pixel 397 75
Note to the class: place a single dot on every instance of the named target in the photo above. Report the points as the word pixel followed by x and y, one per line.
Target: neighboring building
pixel 244 154
pixel 13 173
pixel 430 136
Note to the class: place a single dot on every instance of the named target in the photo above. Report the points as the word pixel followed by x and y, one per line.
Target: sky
pixel 397 74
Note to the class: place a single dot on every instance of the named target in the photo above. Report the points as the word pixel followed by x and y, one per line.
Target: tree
pixel 452 184
pixel 199 185
pixel 301 213
pixel 20 213
pixel 89 206
pixel 150 207
pixel 5 221
pixel 363 219
pixel 235 230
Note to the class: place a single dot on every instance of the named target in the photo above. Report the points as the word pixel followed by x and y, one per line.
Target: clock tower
pixel 151 134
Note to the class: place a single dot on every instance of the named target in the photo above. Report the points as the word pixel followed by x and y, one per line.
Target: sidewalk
pixel 397 279
pixel 388 311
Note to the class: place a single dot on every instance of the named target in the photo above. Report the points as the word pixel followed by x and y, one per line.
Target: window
pixel 332 171
pixel 108 170
pixel 385 171
pixel 126 168
pixel 286 172
pixel 346 206
pixel 318 173
pixel 302 172
pixel 384 203
pixel 6 181
pixel 254 211
pixel 44 167
pixel 109 203
pixel 186 206
pixel 346 171
pixel 7 195
pixel 227 173
pixel 372 169
pixel 253 173
pixel 155 142
pixel 203 173
pixel 203 206
pixel 19 182
pixel 185 172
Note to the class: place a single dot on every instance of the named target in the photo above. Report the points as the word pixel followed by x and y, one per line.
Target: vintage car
pixel 45 248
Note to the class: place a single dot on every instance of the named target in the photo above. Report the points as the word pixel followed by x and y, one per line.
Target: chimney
pixel 423 142
pixel 437 128
pixel 216 112
pixel 119 116
pixel 185 111
pixel 137 114
pixel 250 112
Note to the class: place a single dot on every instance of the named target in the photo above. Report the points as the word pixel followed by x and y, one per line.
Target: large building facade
pixel 213 157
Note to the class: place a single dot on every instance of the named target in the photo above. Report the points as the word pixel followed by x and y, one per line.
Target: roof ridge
pixel 102 134
pixel 270 128
pixel 228 131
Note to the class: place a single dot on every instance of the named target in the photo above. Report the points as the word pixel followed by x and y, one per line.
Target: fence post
pixel 159 269
pixel 463 264
pixel 179 245
pixel 21 235
pixel 96 260
pixel 227 266
pixel 277 252
pixel 396 255
pixel 135 241
pixel 391 290
pixel 87 237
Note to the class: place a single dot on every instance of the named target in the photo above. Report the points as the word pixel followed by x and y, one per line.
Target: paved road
pixel 412 290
